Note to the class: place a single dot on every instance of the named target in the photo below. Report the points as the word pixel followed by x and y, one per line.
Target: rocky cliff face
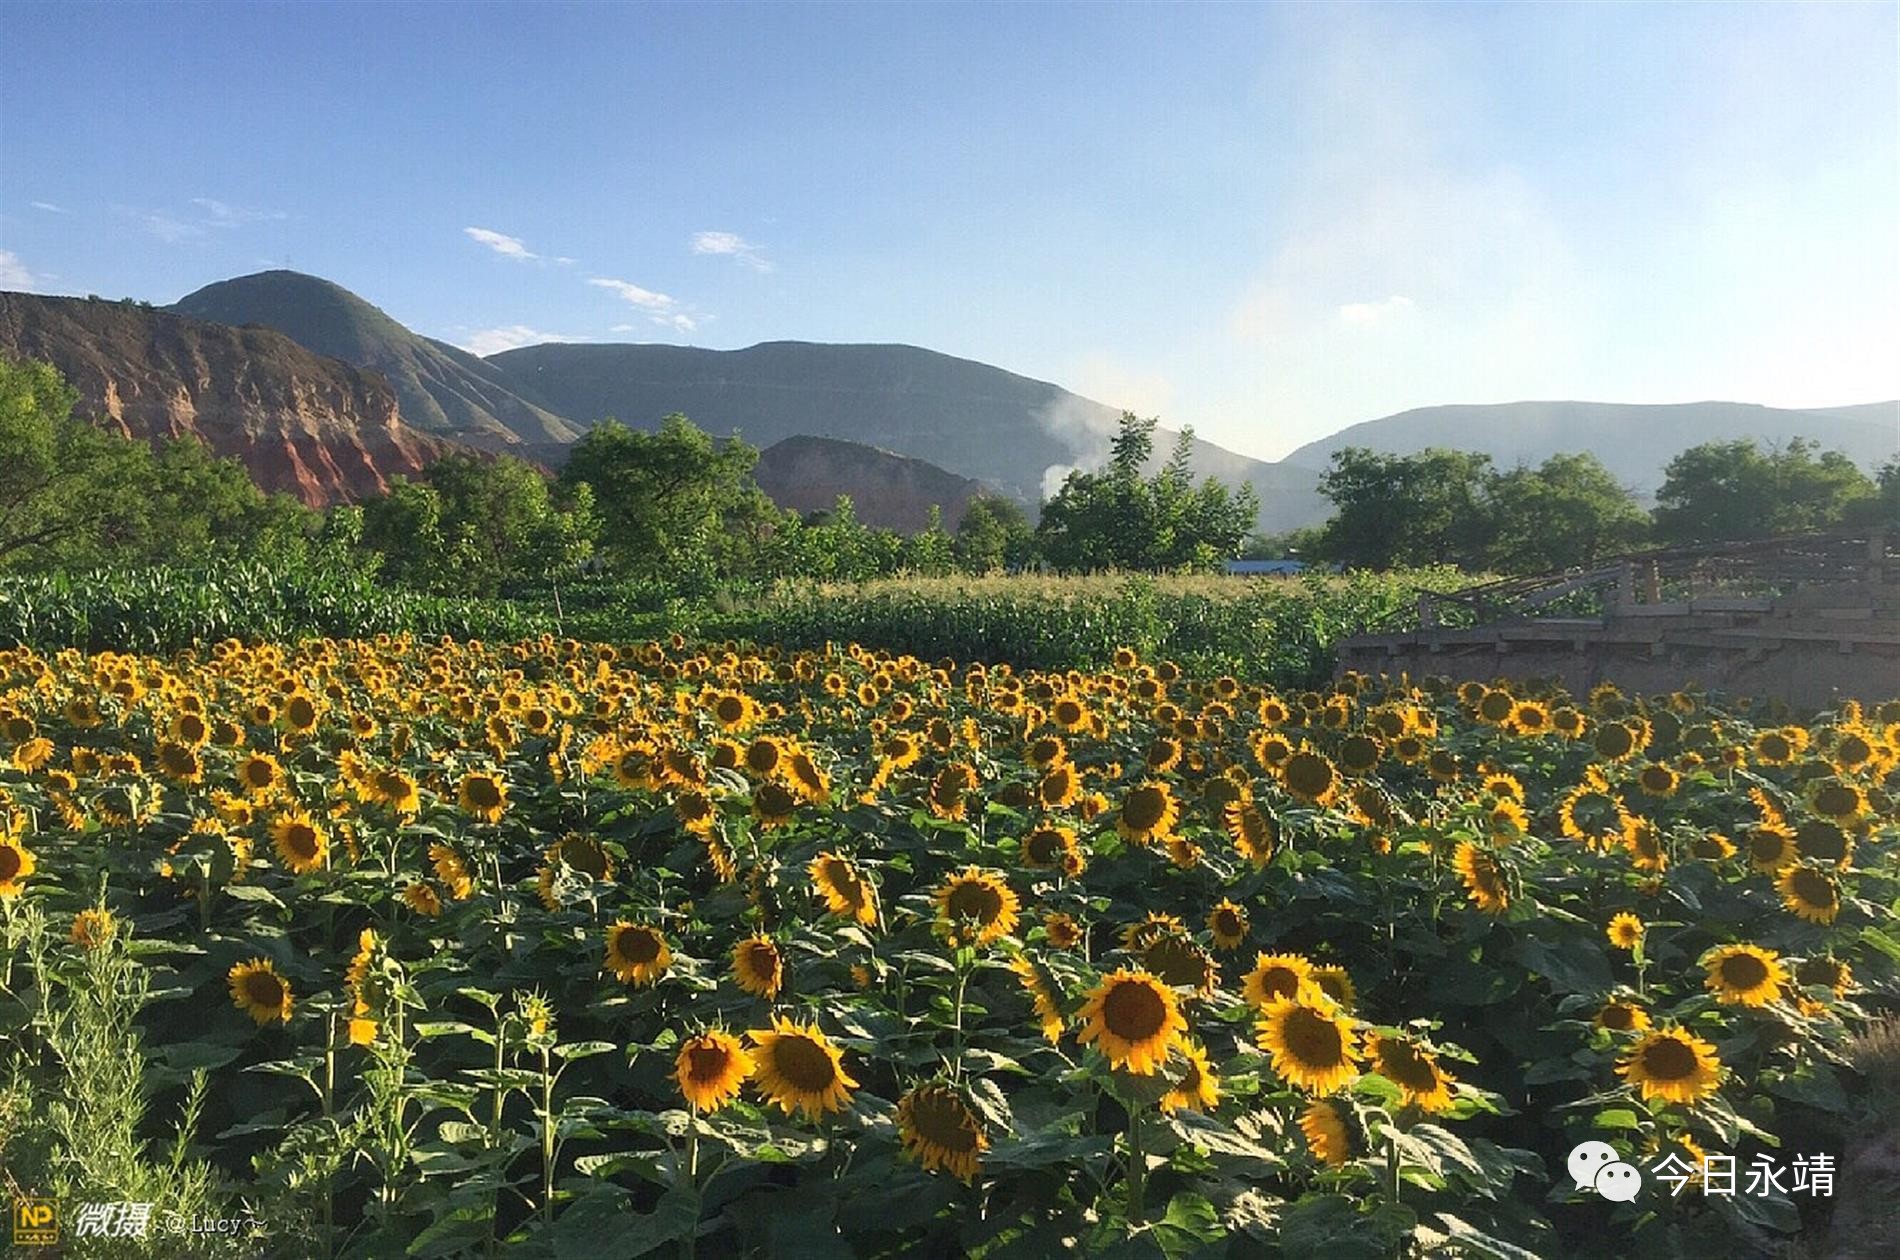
pixel 808 474
pixel 314 427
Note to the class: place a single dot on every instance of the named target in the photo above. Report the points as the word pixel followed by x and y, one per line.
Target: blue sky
pixel 1265 221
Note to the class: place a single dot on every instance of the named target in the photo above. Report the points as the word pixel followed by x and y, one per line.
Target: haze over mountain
pixel 807 474
pixel 1634 440
pixel 300 422
pixel 442 389
pixel 1011 432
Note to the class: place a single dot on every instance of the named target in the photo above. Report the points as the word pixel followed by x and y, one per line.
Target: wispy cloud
pixel 166 226
pixel 660 309
pixel 14 273
pixel 48 206
pixel 731 245
pixel 486 341
pixel 224 214
pixel 1362 314
pixel 508 246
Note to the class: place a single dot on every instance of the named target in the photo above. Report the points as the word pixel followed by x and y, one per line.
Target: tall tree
pixel 664 498
pixel 1567 512
pixel 1391 510
pixel 1728 490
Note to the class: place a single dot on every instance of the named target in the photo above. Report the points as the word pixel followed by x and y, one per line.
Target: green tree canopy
pixel 1120 518
pixel 1725 490
pixel 1567 512
pixel 1396 510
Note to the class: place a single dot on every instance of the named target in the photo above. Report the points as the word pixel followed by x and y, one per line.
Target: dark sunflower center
pixel 301 839
pixel 707 1065
pixel 1670 1059
pixel 1226 922
pixel 775 801
pixel 803 1063
pixel 1280 982
pixel 1615 741
pixel 942 1120
pixel 1145 808
pixel 761 960
pixel 257 773
pixel 1836 800
pixel 485 793
pixel 1619 1017
pixel 1177 962
pixel 639 945
pixel 1407 1066
pixel 10 863
pixel 1743 971
pixel 1134 1010
pixel 1775 748
pixel 1813 888
pixel 730 709
pixel 1044 847
pixel 302 713
pixel 973 900
pixel 1308 774
pixel 1822 840
pixel 1313 1038
pixel 264 989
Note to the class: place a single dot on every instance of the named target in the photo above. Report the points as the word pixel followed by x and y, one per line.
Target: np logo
pixel 35 1223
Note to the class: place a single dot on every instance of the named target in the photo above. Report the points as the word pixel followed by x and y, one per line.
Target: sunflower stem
pixel 689 1243
pixel 1392 1165
pixel 547 1140
pixel 1137 1169
pixel 963 981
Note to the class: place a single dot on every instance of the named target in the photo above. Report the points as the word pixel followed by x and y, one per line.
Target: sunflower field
pixel 405 947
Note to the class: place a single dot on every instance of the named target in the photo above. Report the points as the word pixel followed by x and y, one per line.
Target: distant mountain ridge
pixel 889 491
pixel 1634 440
pixel 442 389
pixel 312 426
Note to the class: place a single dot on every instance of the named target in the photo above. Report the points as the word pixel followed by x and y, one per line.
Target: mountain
pixel 442 389
pixel 1634 440
pixel 807 474
pixel 1011 432
pixel 317 428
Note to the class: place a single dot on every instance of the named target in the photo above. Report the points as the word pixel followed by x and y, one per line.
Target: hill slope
pixel 315 427
pixel 1008 431
pixel 442 389
pixel 807 474
pixel 1633 440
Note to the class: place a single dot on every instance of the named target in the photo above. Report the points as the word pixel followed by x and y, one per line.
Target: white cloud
pixel 486 341
pixel 509 246
pixel 731 245
pixel 647 299
pixel 48 206
pixel 1361 314
pixel 168 227
pixel 678 322
pixel 13 273
pixel 223 214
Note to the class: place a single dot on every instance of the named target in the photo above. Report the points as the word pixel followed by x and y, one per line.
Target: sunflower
pixel 452 871
pixel 1323 1123
pixel 1181 963
pixel 1313 1046
pixel 975 907
pixel 1148 813
pixel 1826 972
pixel 1625 931
pixel 1712 846
pixel 1042 996
pixel 710 1069
pixel 1227 922
pixel 92 929
pixel 636 953
pixel 804 777
pixel 1414 1070
pixel 733 710
pixel 1045 847
pixel 1621 1015
pixel 1252 830
pixel 774 805
pixel 940 1130
pixel 1779 747
pixel 1657 779
pixel 1743 975
pixel 947 797
pixel 1275 976
pixel 1823 841
pixel 1772 846
pixel 844 888
pixel 1673 1065
pixel 1133 1019
pixel 1836 799
pixel 483 795
pixel 16 863
pixel 1809 893
pixel 258 991
pixel 422 898
pixel 758 967
pixel 1360 754
pixel 1310 776
pixel 1483 876
pixel 1199 1089
pixel 1062 930
pixel 300 842
pixel 799 1069
pixel 259 773
pixel 1059 787
pixel 1336 983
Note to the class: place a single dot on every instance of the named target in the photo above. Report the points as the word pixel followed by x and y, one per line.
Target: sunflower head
pixel 637 953
pixel 975 907
pixel 710 1069
pixel 1199 1088
pixel 1312 1044
pixel 940 1130
pixel 1415 1070
pixel 799 1070
pixel 1148 813
pixel 258 991
pixel 1132 1017
pixel 1330 1130
pixel 1743 975
pixel 1227 924
pixel 1672 1065
pixel 758 966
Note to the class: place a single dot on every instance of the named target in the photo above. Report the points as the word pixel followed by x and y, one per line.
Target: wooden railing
pixel 1760 568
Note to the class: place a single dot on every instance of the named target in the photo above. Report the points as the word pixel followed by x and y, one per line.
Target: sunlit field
pixel 440 948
